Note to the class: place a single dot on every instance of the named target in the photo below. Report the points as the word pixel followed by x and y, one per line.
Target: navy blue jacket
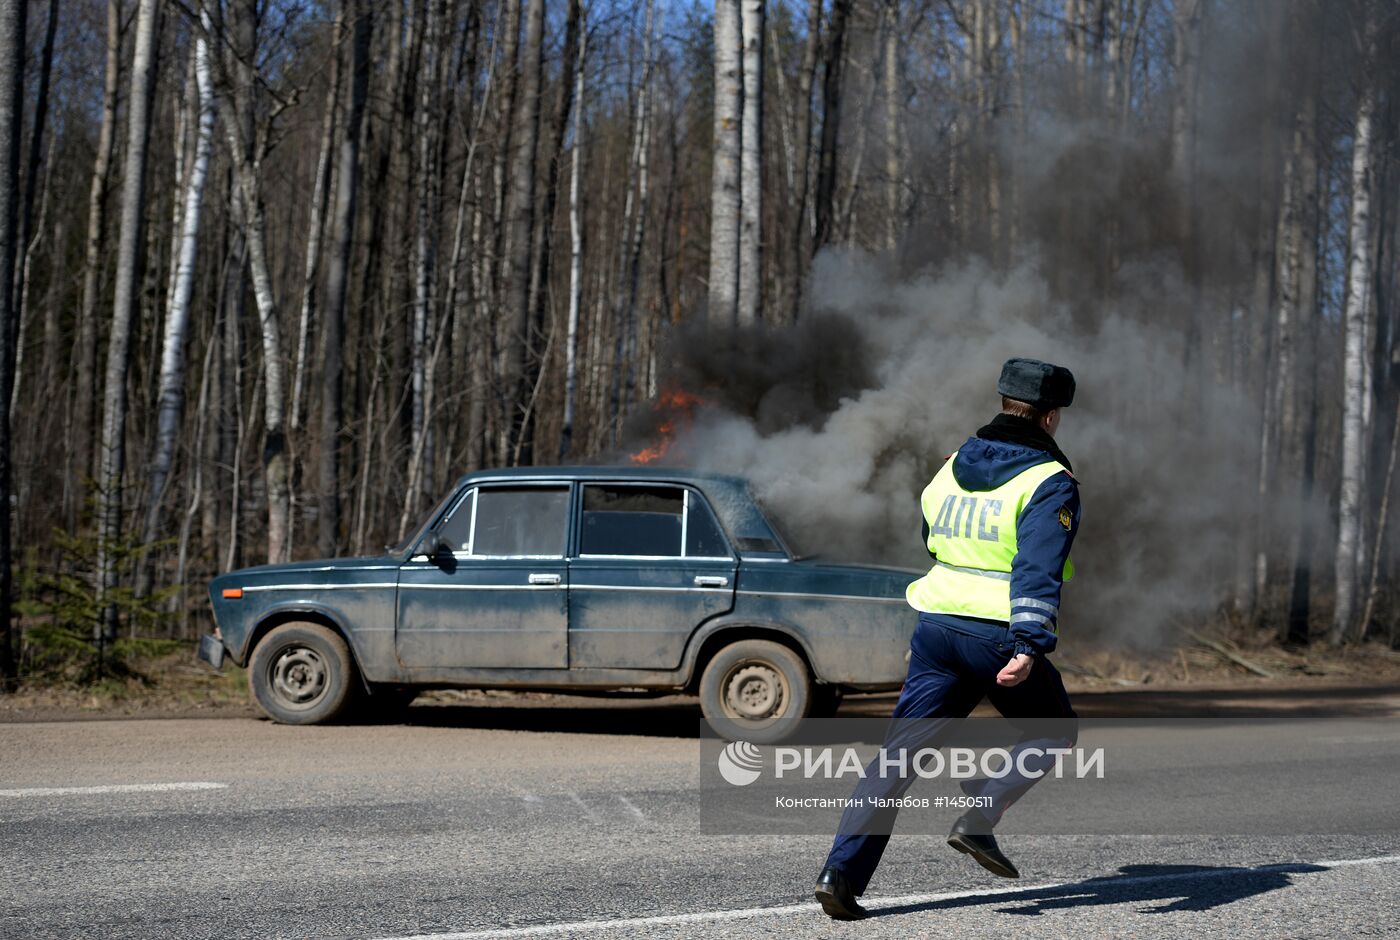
pixel 1042 539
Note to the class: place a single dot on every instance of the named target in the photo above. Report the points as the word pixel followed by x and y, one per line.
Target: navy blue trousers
pixel 953 665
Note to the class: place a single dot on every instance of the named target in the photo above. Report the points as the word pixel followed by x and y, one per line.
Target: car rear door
pixel 499 597
pixel 650 564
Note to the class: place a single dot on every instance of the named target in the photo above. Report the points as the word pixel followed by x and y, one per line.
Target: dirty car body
pixel 585 578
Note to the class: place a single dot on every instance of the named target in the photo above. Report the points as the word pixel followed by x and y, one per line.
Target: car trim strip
pixel 485 587
pixel 320 587
pixel 825 597
pixel 629 587
pixel 592 557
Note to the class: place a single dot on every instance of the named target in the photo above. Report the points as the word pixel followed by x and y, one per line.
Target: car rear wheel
pixel 756 691
pixel 302 674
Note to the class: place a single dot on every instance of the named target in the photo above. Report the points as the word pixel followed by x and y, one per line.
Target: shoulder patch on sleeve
pixel 1066 518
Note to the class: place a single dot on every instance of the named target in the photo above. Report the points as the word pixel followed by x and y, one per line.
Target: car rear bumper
pixel 211 650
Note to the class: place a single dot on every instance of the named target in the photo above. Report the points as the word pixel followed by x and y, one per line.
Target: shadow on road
pixel 671 720
pixel 1183 887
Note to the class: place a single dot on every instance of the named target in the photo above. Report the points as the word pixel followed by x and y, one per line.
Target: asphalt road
pixel 583 821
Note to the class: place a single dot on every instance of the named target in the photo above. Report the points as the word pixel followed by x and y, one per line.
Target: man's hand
pixel 1016 671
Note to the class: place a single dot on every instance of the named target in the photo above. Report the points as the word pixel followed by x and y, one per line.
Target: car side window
pixel 703 538
pixel 658 521
pixel 457 530
pixel 525 520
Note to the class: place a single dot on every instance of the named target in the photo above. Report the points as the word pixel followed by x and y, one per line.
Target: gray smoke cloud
pixel 864 400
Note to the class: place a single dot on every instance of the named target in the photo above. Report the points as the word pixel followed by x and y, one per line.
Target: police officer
pixel 999 519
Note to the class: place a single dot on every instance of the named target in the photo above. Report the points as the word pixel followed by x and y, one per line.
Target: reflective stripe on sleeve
pixel 1051 609
pixel 1029 617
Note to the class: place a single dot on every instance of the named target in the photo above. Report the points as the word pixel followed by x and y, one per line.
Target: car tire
pixel 302 674
pixel 756 691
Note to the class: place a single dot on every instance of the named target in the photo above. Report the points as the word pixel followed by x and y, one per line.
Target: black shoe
pixel 972 835
pixel 834 893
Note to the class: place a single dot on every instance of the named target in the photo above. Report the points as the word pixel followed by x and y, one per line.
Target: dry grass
pixel 178 685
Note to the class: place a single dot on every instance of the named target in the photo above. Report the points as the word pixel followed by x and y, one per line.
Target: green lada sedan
pixel 572 579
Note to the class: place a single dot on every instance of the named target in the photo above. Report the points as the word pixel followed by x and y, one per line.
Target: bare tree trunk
pixel 85 394
pixel 347 177
pixel 12 31
pixel 751 172
pixel 725 186
pixel 894 163
pixel 831 123
pixel 128 263
pixel 1373 584
pixel 315 228
pixel 802 172
pixel 544 232
pixel 237 63
pixel 26 212
pixel 566 434
pixel 637 211
pixel 520 235
pixel 171 394
pixel 425 258
pixel 1356 364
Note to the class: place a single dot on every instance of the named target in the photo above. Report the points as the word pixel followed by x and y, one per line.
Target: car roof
pixel 604 472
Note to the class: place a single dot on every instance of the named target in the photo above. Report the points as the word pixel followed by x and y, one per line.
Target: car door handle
pixel 705 580
pixel 545 579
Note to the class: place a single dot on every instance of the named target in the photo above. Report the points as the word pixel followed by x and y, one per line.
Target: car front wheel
pixel 755 691
pixel 302 674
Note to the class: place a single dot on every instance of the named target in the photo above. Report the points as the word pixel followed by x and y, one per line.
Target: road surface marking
pixel 116 788
pixel 631 808
pixel 577 801
pixel 874 904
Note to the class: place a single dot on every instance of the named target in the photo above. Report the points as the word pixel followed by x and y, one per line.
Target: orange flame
pixel 675 407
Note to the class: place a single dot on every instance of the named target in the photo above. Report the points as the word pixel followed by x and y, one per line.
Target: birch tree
pixel 566 434
pixel 85 395
pixel 725 194
pixel 1356 363
pixel 130 248
pixel 171 387
pixel 751 172
pixel 241 81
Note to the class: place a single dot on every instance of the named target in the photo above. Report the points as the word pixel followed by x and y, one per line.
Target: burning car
pixel 591 578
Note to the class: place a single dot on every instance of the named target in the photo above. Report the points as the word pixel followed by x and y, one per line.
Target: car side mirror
pixel 434 545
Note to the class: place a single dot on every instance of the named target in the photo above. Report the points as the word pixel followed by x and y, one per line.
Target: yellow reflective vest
pixel 972 535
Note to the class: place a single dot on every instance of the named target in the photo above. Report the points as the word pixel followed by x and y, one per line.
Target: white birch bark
pixel 575 255
pixel 751 171
pixel 247 167
pixel 112 457
pixel 171 394
pixel 1355 363
pixel 84 393
pixel 725 192
pixel 894 171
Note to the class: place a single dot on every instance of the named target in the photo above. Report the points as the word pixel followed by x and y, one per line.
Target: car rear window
pixel 663 521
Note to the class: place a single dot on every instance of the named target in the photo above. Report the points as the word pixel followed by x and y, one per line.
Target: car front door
pixel 495 595
pixel 650 565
